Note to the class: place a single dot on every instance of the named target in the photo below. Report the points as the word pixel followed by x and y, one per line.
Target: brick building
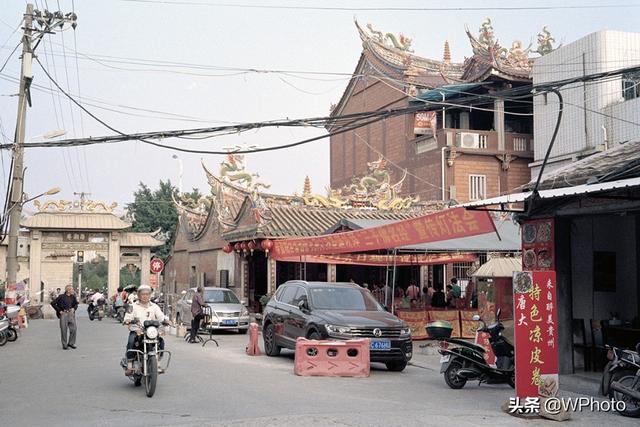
pixel 451 151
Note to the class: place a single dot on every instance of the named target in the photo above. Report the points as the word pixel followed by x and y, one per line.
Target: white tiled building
pixel 596 115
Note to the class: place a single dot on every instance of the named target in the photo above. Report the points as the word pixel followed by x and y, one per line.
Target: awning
pixel 556 192
pixel 449 92
pixel 499 267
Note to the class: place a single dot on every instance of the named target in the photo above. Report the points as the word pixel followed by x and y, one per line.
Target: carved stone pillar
pixel 145 266
pixel 114 262
pixel 35 261
pixel 331 273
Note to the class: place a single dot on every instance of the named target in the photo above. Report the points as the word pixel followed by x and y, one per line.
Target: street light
pixel 175 156
pixel 49 192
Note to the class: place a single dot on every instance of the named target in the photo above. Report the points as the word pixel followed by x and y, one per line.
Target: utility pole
pixel 47 22
pixel 15 208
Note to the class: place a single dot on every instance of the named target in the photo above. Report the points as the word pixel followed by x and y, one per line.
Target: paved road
pixel 42 385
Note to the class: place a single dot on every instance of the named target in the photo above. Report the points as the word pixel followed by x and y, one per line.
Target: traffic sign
pixel 157 265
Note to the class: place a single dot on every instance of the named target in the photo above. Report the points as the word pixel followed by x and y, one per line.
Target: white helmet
pixel 144 288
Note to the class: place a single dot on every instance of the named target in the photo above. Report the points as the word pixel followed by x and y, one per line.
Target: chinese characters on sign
pixel 537 245
pixel 536 342
pixel 425 123
pixel 381 260
pixel 434 227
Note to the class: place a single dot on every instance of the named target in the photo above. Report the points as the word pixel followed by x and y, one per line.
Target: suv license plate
pixel 228 322
pixel 380 345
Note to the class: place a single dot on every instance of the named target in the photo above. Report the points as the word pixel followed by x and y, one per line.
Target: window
pixel 288 295
pixel 630 86
pixel 519 143
pixel 347 299
pixel 220 296
pixel 482 141
pixel 477 187
pixel 300 295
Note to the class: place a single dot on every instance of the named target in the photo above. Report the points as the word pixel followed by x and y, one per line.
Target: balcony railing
pixel 485 140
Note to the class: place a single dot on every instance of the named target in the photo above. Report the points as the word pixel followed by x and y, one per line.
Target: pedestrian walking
pixel 197 312
pixel 65 306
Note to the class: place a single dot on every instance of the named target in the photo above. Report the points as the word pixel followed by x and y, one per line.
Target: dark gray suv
pixel 320 310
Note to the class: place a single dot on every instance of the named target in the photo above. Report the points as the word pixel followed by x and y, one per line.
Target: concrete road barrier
pixel 332 358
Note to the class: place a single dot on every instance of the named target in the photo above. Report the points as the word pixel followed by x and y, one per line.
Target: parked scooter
pixel 465 361
pixel 8 323
pixel 627 389
pixel 621 364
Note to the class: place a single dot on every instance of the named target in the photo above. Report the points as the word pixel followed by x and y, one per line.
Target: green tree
pixel 154 209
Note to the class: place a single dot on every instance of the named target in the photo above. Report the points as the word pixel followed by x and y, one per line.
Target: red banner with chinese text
pixel 380 260
pixel 482 339
pixel 444 225
pixel 536 342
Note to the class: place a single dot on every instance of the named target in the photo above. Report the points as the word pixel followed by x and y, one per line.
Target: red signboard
pixel 157 265
pixel 425 123
pixel 380 260
pixel 537 245
pixel 536 342
pixel 444 225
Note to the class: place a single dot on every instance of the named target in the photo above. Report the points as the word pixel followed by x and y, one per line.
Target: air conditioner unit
pixel 469 140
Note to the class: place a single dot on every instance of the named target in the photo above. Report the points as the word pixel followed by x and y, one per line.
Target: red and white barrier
pixel 332 358
pixel 253 349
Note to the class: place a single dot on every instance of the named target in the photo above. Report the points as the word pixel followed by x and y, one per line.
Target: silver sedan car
pixel 227 311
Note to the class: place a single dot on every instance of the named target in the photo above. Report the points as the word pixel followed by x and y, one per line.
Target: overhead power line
pixel 383 9
pixel 346 122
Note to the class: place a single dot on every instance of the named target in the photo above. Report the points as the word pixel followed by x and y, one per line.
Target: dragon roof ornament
pixel 77 206
pixel 373 190
pixel 516 58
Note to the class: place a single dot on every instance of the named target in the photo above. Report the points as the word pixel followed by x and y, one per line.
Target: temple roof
pixel 391 58
pixel 75 221
pixel 238 208
pixel 134 239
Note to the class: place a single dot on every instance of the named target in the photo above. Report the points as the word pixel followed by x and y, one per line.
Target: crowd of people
pixel 428 296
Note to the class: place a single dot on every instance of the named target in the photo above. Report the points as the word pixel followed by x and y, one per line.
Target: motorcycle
pixel 465 361
pixel 97 311
pixel 147 355
pixel 627 389
pixel 8 323
pixel 621 364
pixel 120 311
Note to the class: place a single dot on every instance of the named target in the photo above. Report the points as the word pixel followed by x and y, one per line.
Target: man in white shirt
pixel 140 311
pixel 93 300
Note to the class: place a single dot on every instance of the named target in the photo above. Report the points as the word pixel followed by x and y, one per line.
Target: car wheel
pixel 242 331
pixel 396 366
pixel 315 335
pixel 269 338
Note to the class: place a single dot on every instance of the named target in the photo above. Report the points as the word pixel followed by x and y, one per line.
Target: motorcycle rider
pixel 142 310
pixel 93 300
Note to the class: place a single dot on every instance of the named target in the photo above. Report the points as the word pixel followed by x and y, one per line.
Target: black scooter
pixel 465 361
pixel 622 363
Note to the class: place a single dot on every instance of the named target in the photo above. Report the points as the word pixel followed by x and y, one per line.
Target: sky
pixel 214 36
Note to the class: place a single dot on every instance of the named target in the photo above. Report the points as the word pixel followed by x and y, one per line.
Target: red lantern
pixel 267 245
pixel 227 249
pixel 243 246
pixel 252 245
pixel 237 247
